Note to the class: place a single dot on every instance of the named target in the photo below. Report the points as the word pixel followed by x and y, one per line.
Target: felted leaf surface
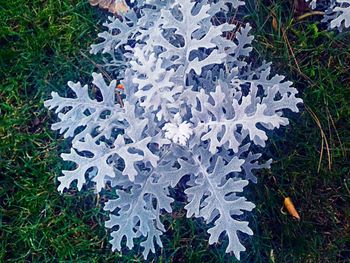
pixel 99 160
pixel 342 17
pixel 215 124
pixel 136 211
pixel 337 15
pixel 136 215
pixel 85 112
pixel 193 108
pixel 120 31
pixel 130 153
pixel 214 197
pixel 155 88
pixel 184 53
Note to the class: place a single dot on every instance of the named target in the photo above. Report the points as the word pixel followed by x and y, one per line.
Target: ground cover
pixel 45 43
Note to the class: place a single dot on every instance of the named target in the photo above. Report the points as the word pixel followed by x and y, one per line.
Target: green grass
pixel 41 46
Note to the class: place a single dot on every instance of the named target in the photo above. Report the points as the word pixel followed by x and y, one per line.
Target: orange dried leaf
pixel 274 23
pixel 288 204
pixel 120 86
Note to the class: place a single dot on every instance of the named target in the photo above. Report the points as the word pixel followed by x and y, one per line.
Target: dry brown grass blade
pixel 290 49
pixel 336 132
pixel 324 140
pixel 293 55
pixel 285 37
pixel 313 13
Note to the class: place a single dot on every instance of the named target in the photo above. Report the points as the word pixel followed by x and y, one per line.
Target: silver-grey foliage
pixel 193 108
pixel 337 14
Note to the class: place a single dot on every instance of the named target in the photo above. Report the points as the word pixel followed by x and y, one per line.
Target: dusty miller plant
pixel 337 12
pixel 194 111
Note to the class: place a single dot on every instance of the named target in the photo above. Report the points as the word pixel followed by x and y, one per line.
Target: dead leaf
pixel 288 204
pixel 120 86
pixel 274 23
pixel 113 6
